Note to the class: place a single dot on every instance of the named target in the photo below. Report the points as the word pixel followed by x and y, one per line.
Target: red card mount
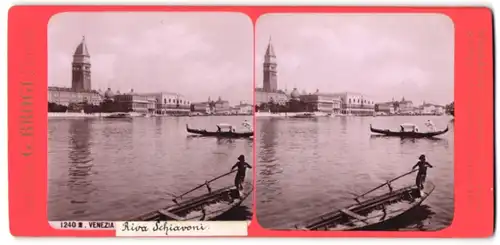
pixel 469 137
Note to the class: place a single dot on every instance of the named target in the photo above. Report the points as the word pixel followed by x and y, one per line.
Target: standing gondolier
pixel 240 175
pixel 422 165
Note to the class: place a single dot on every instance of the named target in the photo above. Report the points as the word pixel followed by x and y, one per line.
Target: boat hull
pixel 367 215
pixel 207 207
pixel 387 132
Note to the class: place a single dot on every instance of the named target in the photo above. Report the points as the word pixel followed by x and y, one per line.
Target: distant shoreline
pixel 291 114
pixel 257 114
pixel 132 114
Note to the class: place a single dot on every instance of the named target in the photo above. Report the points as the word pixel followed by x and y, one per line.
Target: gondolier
pixel 430 125
pixel 422 165
pixel 247 125
pixel 240 175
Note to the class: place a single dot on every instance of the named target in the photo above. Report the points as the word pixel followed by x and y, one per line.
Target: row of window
pixel 176 101
pixel 351 101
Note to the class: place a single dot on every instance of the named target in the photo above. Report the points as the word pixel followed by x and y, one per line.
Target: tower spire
pixel 81 78
pixel 270 69
pixel 270 49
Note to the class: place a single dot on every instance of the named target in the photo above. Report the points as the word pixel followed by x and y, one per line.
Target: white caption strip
pixel 182 228
pixel 83 225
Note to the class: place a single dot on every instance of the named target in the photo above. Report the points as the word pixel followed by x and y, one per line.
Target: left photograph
pixel 150 116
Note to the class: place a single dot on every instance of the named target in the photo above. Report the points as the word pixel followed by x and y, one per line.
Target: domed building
pixel 295 95
pixel 109 95
pixel 81 90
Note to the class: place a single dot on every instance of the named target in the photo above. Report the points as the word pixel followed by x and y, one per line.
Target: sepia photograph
pixel 354 122
pixel 150 116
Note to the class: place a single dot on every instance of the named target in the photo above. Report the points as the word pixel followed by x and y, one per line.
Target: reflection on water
pixel 112 169
pixel 310 167
pixel 81 162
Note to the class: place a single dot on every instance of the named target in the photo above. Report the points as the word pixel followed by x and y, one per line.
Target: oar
pixel 204 184
pixel 386 183
pixel 170 194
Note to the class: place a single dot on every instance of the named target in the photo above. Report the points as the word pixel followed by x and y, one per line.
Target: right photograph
pixel 354 122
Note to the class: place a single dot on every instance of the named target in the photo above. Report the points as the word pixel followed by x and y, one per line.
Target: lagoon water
pixel 113 169
pixel 307 167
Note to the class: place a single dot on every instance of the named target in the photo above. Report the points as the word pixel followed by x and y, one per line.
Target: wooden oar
pixel 204 184
pixel 386 183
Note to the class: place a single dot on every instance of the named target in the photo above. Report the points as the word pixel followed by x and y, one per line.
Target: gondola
pixel 230 133
pixel 372 213
pixel 408 134
pixel 118 115
pixel 207 207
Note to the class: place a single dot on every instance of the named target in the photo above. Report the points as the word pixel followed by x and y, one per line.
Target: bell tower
pixel 270 69
pixel 80 80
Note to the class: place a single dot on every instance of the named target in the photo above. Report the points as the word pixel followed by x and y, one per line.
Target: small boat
pixel 304 115
pixel 207 207
pixel 118 115
pixel 228 133
pixel 408 130
pixel 374 212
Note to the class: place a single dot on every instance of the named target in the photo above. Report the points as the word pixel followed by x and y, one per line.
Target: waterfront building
pixel 245 109
pixel 221 106
pixel 81 84
pixel 270 92
pixel 385 107
pixel 170 103
pixel 405 106
pixel 234 110
pixel 356 104
pixel 135 102
pixel 322 102
pixel 201 107
pixel 431 109
pixel 242 109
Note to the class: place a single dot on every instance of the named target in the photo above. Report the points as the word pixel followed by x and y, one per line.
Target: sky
pixel 383 56
pixel 195 54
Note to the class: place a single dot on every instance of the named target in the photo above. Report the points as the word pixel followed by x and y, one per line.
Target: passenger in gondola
pixel 240 174
pixel 422 165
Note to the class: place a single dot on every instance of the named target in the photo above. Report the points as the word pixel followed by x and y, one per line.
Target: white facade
pixel 431 109
pixel 170 102
pixel 440 110
pixel 405 107
pixel 428 109
pixel 66 96
pixel 266 97
pixel 356 104
pixel 245 109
